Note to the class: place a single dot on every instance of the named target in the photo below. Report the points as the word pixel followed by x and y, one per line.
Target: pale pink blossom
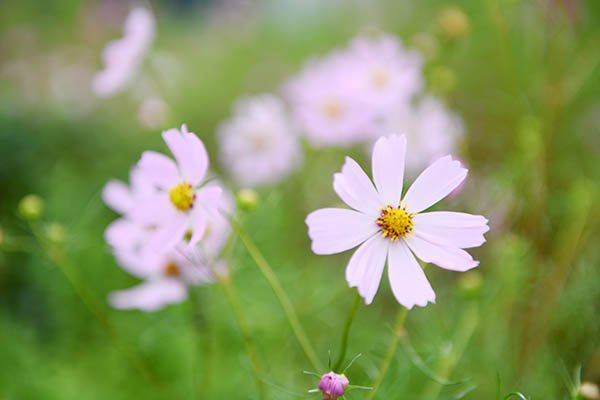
pixel 258 144
pixel 327 103
pixel 431 129
pixel 121 197
pixel 387 74
pixel 180 202
pixel 389 226
pixel 123 57
pixel 333 385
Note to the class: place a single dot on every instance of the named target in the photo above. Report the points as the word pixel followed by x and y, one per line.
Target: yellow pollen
pixel 395 222
pixel 380 78
pixel 332 109
pixel 171 269
pixel 182 196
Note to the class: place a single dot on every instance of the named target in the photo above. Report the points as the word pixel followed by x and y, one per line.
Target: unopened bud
pixel 442 79
pixel 31 207
pixel 589 391
pixel 55 232
pixel 333 385
pixel 469 284
pixel 247 199
pixel 454 23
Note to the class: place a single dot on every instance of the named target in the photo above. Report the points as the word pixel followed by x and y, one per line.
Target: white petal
pixel 451 229
pixel 388 168
pixel 366 267
pixel 356 189
pixel 190 154
pixel 117 196
pixel 451 258
pixel 159 169
pixel 407 279
pixel 153 209
pixel 166 236
pixel 334 230
pixel 149 296
pixel 435 183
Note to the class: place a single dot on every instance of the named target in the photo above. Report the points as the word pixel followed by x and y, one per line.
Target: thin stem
pixel 283 299
pixel 346 332
pixel 58 258
pixel 391 352
pixel 245 331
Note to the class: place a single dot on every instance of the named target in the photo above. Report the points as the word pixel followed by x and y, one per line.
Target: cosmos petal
pixel 407 279
pixel 117 196
pixel 149 296
pixel 355 188
pixel 451 229
pixel 451 258
pixel 366 267
pixel 388 168
pixel 159 169
pixel 190 153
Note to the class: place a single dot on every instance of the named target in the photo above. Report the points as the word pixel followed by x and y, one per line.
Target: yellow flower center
pixel 332 109
pixel 380 78
pixel 171 270
pixel 395 222
pixel 182 196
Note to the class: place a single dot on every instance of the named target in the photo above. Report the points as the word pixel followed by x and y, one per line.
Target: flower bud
pixel 55 232
pixel 589 391
pixel 247 199
pixel 442 79
pixel 454 23
pixel 31 207
pixel 333 385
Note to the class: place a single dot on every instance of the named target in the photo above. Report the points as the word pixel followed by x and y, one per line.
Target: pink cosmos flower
pixel 431 129
pixel 327 104
pixel 122 198
pixel 259 145
pixel 388 75
pixel 122 57
pixel 389 226
pixel 333 385
pixel 179 204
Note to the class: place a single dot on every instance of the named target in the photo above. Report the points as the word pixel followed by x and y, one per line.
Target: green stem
pixel 283 299
pixel 346 333
pixel 391 352
pixel 245 331
pixel 58 258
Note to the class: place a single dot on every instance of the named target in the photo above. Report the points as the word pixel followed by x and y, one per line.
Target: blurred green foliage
pixel 525 78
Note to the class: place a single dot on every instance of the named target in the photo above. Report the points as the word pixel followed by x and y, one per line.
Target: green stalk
pixel 346 333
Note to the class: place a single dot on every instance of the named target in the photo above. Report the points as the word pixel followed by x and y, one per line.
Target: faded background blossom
pixel 508 88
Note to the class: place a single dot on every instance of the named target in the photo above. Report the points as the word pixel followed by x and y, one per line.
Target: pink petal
pixel 407 279
pixel 190 154
pixel 159 169
pixel 199 223
pixel 166 236
pixel 355 188
pixel 388 168
pixel 366 267
pixel 153 209
pixel 149 296
pixel 333 230
pixel 451 258
pixel 117 196
pixel 452 229
pixel 435 183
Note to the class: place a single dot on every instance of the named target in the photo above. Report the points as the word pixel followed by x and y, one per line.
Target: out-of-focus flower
pixel 387 74
pixel 454 23
pixel 31 207
pixel 166 276
pixel 385 225
pixel 327 104
pixel 427 45
pixel 153 112
pixel 122 57
pixel 55 232
pixel 258 144
pixel 122 198
pixel 432 131
pixel 589 391
pixel 247 199
pixel 178 203
pixel 333 385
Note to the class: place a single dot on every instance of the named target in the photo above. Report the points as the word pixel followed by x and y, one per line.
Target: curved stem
pixel 346 332
pixel 391 352
pixel 59 259
pixel 284 300
pixel 245 331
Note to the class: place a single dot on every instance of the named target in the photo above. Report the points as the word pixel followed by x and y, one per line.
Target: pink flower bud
pixel 333 385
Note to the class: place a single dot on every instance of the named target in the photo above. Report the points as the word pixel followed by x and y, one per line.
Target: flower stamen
pixel 395 222
pixel 171 270
pixel 182 196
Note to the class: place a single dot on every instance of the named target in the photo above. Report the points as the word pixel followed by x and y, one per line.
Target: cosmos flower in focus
pixel 389 226
pixel 179 204
pixel 258 144
pixel 327 104
pixel 431 129
pixel 333 385
pixel 388 75
pixel 122 57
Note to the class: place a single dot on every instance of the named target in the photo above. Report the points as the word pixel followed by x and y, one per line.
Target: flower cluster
pixel 167 209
